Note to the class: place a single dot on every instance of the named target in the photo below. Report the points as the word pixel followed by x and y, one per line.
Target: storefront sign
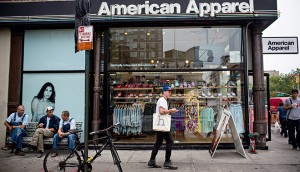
pixel 202 9
pixel 85 38
pixel 280 45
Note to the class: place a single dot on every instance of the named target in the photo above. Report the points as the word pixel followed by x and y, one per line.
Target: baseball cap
pixel 166 88
pixel 49 108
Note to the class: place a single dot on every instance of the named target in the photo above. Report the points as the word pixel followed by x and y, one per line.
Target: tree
pixel 283 83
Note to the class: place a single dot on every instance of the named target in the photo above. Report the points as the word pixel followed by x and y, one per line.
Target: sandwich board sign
pixel 226 119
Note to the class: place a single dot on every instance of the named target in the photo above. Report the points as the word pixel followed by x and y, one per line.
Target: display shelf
pixel 126 89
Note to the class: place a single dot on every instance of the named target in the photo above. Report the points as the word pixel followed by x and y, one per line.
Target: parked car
pixel 274 101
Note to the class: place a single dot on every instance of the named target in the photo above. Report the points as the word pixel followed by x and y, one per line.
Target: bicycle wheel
pixel 60 161
pixel 116 158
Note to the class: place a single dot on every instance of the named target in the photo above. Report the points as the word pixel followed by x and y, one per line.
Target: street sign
pixel 280 45
pixel 85 38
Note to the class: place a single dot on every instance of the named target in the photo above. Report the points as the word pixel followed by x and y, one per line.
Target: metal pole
pixel 97 86
pixel 259 124
pixel 86 118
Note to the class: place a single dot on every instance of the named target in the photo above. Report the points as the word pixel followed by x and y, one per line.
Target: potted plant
pixel 253 136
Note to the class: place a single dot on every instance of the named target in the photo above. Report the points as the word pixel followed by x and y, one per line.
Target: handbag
pixel 161 122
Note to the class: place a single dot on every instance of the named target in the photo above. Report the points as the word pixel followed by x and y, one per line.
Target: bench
pixel 32 126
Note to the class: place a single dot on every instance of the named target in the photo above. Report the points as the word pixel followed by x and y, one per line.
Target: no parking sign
pixel 85 38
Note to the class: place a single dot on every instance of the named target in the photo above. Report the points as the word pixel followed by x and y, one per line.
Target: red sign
pixel 85 38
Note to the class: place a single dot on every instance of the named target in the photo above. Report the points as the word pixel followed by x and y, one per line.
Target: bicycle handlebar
pixel 75 131
pixel 104 130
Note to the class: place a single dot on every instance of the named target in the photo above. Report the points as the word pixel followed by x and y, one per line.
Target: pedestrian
pixel 162 108
pixel 282 119
pixel 65 125
pixel 16 123
pixel 292 105
pixel 47 127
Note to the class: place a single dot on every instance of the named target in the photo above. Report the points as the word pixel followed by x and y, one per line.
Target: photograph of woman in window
pixel 45 98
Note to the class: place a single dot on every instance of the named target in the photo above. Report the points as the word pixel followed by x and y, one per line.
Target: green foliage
pixel 283 83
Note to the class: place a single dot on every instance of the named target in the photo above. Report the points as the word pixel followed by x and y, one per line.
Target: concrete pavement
pixel 279 158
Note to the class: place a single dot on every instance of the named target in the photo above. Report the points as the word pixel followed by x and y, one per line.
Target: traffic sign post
pixel 85 38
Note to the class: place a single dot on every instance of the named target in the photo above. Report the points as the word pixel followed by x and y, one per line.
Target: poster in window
pixel 62 91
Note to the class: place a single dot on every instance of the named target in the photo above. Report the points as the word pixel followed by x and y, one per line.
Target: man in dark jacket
pixel 47 127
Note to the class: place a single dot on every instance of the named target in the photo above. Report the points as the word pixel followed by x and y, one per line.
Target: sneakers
pixel 153 164
pixel 19 153
pixel 53 154
pixel 40 154
pixel 169 164
pixel 28 149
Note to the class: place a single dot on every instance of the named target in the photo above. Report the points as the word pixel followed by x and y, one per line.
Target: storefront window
pixel 200 98
pixel 203 66
pixel 175 48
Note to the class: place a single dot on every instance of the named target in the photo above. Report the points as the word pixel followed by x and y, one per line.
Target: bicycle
pixel 69 159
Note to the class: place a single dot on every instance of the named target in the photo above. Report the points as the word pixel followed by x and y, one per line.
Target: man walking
pixel 16 123
pixel 162 108
pixel 292 105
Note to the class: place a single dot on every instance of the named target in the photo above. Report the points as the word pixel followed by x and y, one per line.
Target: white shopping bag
pixel 161 122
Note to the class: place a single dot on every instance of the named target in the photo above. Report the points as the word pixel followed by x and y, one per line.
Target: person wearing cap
pixel 162 108
pixel 47 127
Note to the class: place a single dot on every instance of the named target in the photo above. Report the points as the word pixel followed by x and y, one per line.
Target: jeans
pixel 57 139
pixel 283 123
pixel 159 140
pixel 17 135
pixel 292 125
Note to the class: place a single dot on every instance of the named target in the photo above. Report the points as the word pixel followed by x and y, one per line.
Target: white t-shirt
pixel 18 119
pixel 72 124
pixel 162 102
pixel 293 113
pixel 48 121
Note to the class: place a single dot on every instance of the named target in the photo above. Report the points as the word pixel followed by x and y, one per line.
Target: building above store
pixel 140 10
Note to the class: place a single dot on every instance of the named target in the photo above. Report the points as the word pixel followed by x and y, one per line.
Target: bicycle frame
pixel 68 161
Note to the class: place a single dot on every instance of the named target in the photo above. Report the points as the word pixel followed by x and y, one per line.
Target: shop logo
pixel 202 9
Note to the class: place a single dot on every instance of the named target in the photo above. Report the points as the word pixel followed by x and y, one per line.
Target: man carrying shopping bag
pixel 162 124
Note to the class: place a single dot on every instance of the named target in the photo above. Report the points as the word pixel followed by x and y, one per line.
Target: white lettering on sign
pixel 280 45
pixel 213 8
pixel 210 9
pixel 132 9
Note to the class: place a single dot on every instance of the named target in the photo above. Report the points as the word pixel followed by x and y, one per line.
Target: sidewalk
pixel 279 158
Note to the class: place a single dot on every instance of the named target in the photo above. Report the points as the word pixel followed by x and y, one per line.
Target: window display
pixel 203 66
pixel 199 97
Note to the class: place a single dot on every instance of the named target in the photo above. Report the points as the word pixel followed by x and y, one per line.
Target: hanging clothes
pixel 130 117
pixel 238 117
pixel 207 119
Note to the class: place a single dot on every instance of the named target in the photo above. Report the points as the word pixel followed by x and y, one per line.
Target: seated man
pixel 16 123
pixel 65 125
pixel 48 126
